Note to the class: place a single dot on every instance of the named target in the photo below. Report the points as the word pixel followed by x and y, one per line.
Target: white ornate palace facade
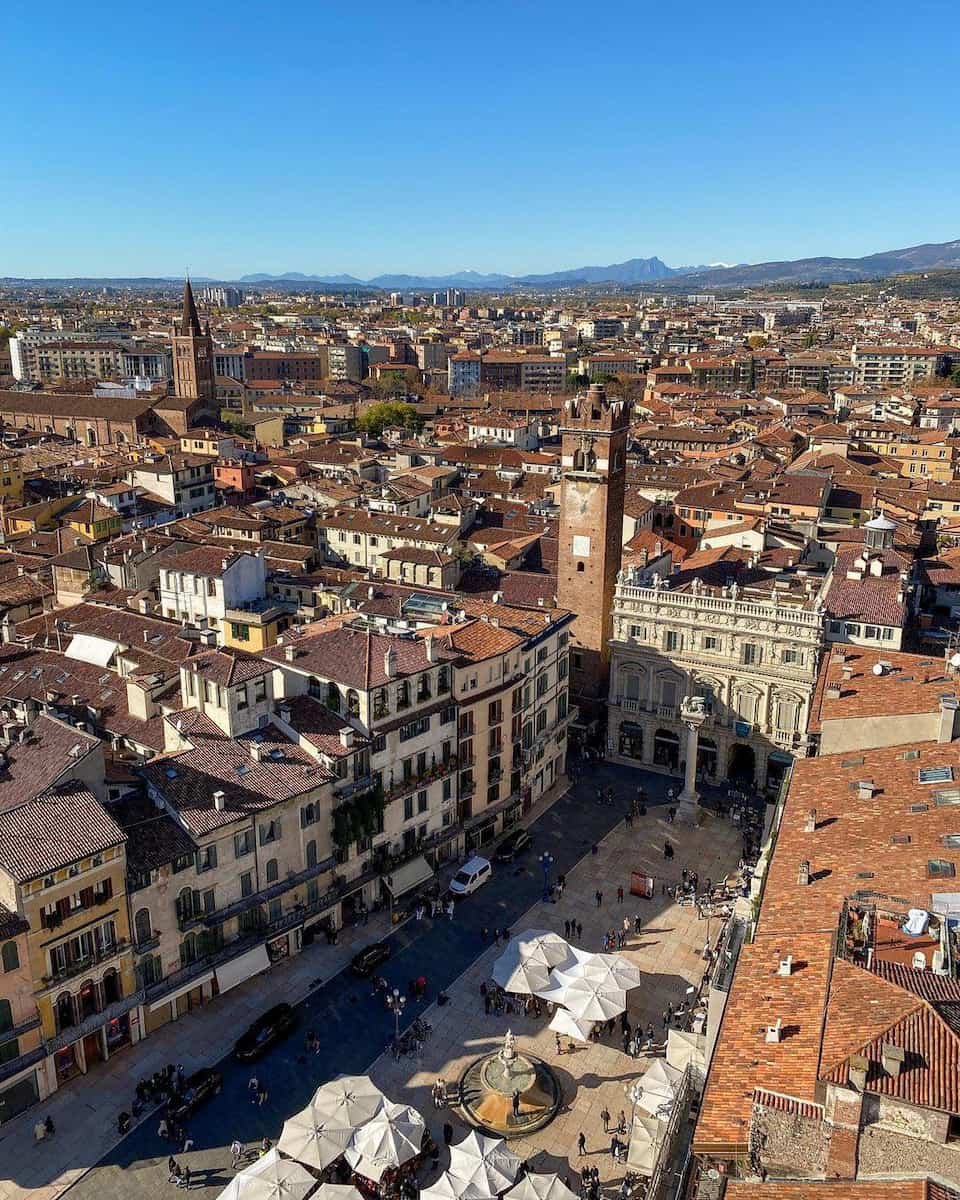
pixel 751 652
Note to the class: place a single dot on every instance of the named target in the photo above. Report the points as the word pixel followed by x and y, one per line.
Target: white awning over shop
pixel 89 649
pixel 403 879
pixel 182 990
pixel 239 969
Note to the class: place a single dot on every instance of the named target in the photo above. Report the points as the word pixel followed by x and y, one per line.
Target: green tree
pixel 373 420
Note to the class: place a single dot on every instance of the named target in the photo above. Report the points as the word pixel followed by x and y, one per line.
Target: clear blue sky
pixel 430 137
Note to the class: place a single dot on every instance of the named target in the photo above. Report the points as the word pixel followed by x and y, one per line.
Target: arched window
pixel 65 1011
pixel 579 566
pixel 188 950
pixel 353 703
pixel 311 853
pixel 273 871
pixel 9 956
pixel 6 1016
pixel 333 697
pixel 185 905
pixel 141 923
pixel 315 688
pixel 111 986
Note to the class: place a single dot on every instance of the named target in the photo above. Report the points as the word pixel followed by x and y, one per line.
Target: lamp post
pixel 396 1004
pixel 546 861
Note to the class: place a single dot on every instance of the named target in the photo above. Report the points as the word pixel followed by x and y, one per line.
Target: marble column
pixel 692 714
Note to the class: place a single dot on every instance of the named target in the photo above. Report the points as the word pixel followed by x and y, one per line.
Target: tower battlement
pixel 595 411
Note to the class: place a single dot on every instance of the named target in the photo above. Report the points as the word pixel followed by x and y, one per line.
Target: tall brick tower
pixel 192 354
pixel 593 462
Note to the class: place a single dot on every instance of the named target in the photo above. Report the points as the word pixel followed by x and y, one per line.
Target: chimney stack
pixel 803 874
pixel 834 691
pixel 219 801
pixel 866 789
pixel 892 1058
pixel 810 824
pixel 859 1066
pixel 431 650
pixel 284 713
pixel 346 738
pixel 948 718
pixel 786 966
pixel 774 1032
pixel 256 751
pixel 290 653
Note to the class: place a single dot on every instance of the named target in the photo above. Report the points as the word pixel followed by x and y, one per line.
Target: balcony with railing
pixel 79 966
pixel 436 770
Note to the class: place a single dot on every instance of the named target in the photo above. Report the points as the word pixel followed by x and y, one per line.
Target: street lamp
pixel 546 861
pixel 396 1003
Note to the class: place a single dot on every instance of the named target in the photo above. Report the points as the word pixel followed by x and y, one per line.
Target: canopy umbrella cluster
pixel 387 1140
pixel 484 1162
pixel 655 1092
pixel 540 1187
pixel 271 1177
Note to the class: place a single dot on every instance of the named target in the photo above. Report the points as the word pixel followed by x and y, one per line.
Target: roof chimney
pixel 834 691
pixel 431 649
pixel 497 597
pixel 219 801
pixel 774 1032
pixel 390 663
pixel 810 824
pixel 866 789
pixel 290 652
pixel 284 713
pixel 803 873
pixel 948 718
pixel 858 1068
pixel 892 1058
pixel 346 737
pixel 256 751
pixel 848 672
pixel 786 966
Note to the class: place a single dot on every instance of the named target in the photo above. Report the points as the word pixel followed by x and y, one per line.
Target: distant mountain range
pixel 932 256
pixel 928 257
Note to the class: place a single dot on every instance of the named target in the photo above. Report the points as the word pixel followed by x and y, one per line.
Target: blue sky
pixel 431 137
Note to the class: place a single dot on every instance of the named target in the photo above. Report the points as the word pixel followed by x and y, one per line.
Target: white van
pixel 472 874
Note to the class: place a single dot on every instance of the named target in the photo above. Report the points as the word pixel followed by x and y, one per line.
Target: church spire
pixel 191 321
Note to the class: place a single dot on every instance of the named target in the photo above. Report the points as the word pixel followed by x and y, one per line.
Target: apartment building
pixel 345 361
pixel 67 359
pixel 501 371
pixel 146 362
pixel 895 366
pixel 184 481
pixel 747 643
pixel 358 537
pixel 208 587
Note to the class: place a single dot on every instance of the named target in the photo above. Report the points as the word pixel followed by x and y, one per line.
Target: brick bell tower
pixel 593 463
pixel 192 354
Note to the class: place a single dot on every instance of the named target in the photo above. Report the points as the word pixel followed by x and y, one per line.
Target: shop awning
pixel 182 990
pixel 403 879
pixel 239 969
pixel 778 756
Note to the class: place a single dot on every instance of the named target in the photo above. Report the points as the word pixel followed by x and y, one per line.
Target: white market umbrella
pixel 539 1187
pixel 684 1048
pixel 338 1191
pixel 656 1090
pixel 609 969
pixel 270 1178
pixel 484 1162
pixel 315 1136
pixel 646 1138
pixel 449 1188
pixel 390 1139
pixel 544 946
pixel 565 1022
pixel 515 974
pixel 585 999
pixel 352 1099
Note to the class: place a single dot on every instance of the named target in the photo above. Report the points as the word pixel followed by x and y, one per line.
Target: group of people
pixel 496 1000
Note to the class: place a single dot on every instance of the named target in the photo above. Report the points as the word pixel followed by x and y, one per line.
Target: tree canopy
pixel 373 420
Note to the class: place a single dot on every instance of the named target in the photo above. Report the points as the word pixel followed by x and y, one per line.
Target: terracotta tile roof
pixel 352 656
pixel 54 829
pixel 228 667
pixel 911 683
pixel 50 749
pixel 162 639
pixel 320 727
pixel 817 1189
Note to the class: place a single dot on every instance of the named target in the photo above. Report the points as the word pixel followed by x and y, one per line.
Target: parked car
pixel 271 1027
pixel 369 959
pixel 472 874
pixel 512 844
pixel 197 1089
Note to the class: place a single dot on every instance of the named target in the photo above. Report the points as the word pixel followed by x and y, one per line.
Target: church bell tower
pixel 193 377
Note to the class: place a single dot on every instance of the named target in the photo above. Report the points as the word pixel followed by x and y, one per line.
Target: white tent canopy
pixel 612 970
pixel 352 1099
pixel 270 1178
pixel 585 999
pixel 315 1136
pixel 565 1022
pixel 389 1139
pixel 484 1162
pixel 539 1187
pixel 515 974
pixel 656 1090
pixel 684 1048
pixel 337 1191
pixel 646 1138
pixel 543 946
pixel 449 1188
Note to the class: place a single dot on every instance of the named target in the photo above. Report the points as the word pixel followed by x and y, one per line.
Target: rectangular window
pixel 243 843
pixel 242 700
pixel 407 808
pixel 239 633
pixel 206 858
pixel 260 689
pixel 269 833
pixel 246 884
pixel 672 640
pixel 751 654
pixel 422 801
pixel 711 642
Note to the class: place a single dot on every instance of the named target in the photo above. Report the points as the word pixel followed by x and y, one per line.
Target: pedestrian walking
pixel 265 1145
pixel 605 1118
pixel 253 1087
pixel 163 1130
pixel 236 1152
pixel 559 1046
pixel 650 1033
pixel 487 1003
pixel 515 1103
pixel 619 895
pixel 447 1133
pixel 581 1145
pixel 185 1178
pixel 449 910
pixel 598 896
pixel 261 1096
pixel 579 931
pixel 566 929
pixel 671 814
pixel 622 1122
pixel 666 1017
pixel 615 1148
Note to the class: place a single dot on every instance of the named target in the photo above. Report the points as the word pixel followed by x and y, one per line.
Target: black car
pixel 197 1089
pixel 512 844
pixel 273 1025
pixel 368 960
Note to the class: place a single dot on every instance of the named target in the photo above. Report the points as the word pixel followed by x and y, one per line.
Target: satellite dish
pixel 877 669
pixel 955 661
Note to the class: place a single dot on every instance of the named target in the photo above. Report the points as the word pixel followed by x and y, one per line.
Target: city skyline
pixel 351 152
